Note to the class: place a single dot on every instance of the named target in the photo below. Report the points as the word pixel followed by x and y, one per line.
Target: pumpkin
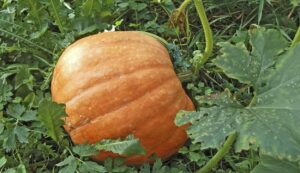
pixel 119 83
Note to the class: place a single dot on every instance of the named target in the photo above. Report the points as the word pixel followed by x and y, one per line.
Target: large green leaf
pixel 272 165
pixel 271 121
pixel 249 67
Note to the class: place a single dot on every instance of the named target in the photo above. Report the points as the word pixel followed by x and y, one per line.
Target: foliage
pixel 269 121
pixel 259 101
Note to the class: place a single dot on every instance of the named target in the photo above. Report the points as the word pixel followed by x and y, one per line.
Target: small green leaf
pixel 29 115
pixel 158 167
pixel 21 169
pixel 2 161
pixel 36 14
pixel 1 128
pixel 22 133
pixel 128 146
pixel 295 2
pixel 91 167
pixel 94 8
pixel 10 170
pixel 40 32
pixel 24 77
pixel 9 140
pixel 70 168
pixel 272 165
pixel 5 92
pixel 15 110
pixel 67 161
pixel 85 150
pixel 58 13
pixel 51 115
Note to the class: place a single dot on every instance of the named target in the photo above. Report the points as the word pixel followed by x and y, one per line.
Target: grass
pixel 29 49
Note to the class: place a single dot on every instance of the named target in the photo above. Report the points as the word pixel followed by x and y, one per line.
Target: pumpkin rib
pixel 188 106
pixel 165 146
pixel 90 120
pixel 142 130
pixel 121 106
pixel 163 151
pixel 115 119
pixel 114 77
pixel 105 38
pixel 79 119
pixel 108 44
pixel 159 150
pixel 109 78
pixel 134 83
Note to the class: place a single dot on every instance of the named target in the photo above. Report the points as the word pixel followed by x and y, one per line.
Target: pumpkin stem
pixel 208 35
pixel 296 38
pixel 219 155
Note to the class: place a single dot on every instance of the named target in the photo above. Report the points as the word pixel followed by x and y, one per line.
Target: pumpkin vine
pixel 208 35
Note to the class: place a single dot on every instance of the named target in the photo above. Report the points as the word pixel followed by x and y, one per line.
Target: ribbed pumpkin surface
pixel 120 83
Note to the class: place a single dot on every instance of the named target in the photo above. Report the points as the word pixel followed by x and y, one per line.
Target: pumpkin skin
pixel 120 83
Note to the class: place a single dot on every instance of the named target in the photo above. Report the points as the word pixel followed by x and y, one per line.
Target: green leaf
pixel 91 167
pixel 2 161
pixel 295 2
pixel 36 13
pixel 5 93
pixel 40 32
pixel 271 121
pixel 85 150
pixel 215 123
pixel 128 146
pixel 158 167
pixel 21 169
pixel 250 67
pixel 24 77
pixel 9 140
pixel 15 110
pixel 70 168
pixel 67 161
pixel 272 165
pixel 22 133
pixel 29 115
pixel 51 115
pixel 97 8
pixel 10 170
pixel 1 128
pixel 58 13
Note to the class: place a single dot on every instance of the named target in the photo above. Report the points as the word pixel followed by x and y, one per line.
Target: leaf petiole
pixel 183 6
pixel 219 155
pixel 208 35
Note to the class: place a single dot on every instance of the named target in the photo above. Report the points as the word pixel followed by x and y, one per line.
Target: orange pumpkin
pixel 120 83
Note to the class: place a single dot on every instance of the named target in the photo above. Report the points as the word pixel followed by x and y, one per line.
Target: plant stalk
pixel 296 38
pixel 208 35
pixel 183 6
pixel 185 76
pixel 219 155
